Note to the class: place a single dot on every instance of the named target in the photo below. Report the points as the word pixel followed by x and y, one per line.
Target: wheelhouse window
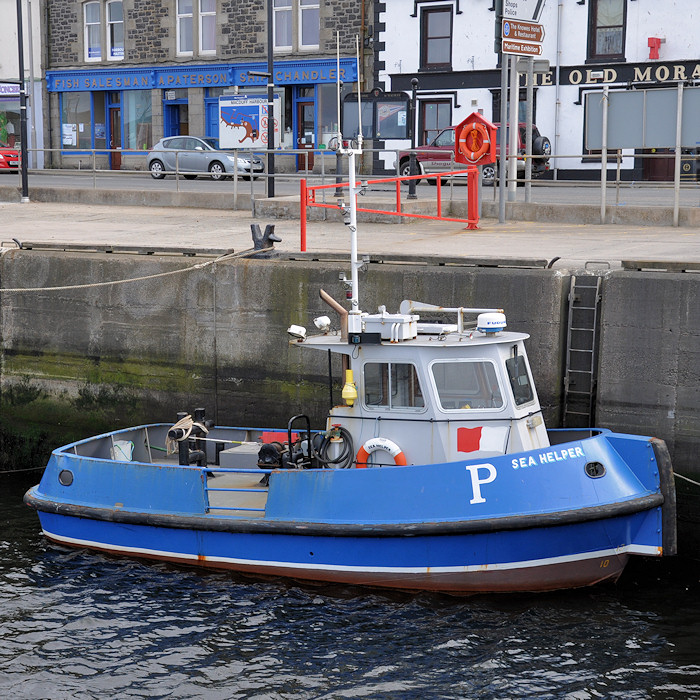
pixel 392 385
pixel 115 30
pixel 606 34
pixel 184 27
pixel 92 33
pixel 519 379
pixel 436 39
pixel 207 26
pixel 467 384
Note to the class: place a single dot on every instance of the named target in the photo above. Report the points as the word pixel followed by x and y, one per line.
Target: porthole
pixel 65 477
pixel 595 470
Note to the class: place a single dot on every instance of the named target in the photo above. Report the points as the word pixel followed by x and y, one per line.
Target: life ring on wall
pixel 380 443
pixel 474 141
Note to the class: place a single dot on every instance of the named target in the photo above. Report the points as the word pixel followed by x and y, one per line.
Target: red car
pixel 9 158
pixel 438 156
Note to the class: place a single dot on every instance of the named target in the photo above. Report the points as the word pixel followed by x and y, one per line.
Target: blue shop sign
pixel 155 77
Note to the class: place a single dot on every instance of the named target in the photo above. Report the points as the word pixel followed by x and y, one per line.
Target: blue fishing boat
pixel 435 472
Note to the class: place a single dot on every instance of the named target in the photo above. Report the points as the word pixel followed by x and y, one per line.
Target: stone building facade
pixel 122 74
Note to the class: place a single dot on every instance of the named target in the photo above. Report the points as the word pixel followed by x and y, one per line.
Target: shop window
pixel 184 27
pixel 207 26
pixel 436 39
pixel 92 34
pixel 76 121
pixel 606 30
pixel 296 25
pixel 384 115
pixel 435 115
pixel 392 385
pixel 463 385
pixel 115 30
pixel 136 116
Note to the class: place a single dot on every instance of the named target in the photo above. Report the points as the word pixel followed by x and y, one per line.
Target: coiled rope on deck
pixel 198 266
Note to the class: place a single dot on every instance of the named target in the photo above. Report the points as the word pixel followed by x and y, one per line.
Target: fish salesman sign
pixel 244 119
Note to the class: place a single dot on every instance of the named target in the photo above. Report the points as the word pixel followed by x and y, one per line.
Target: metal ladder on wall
pixel 582 337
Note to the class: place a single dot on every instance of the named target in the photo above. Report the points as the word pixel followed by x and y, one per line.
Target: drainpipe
pixel 557 97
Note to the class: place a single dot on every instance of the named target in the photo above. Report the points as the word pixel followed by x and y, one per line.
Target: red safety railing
pixel 308 198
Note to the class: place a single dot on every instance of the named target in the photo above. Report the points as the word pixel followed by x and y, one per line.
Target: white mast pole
pixel 354 317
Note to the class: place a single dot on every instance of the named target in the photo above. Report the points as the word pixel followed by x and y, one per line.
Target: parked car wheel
pixel 157 170
pixel 405 170
pixel 488 174
pixel 190 177
pixel 216 171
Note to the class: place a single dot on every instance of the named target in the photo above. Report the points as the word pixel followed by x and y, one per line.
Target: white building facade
pixel 448 46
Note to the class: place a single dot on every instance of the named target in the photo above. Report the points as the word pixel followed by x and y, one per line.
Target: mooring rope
pixel 198 266
pixel 685 478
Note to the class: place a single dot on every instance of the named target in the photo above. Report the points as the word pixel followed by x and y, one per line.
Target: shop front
pixel 116 115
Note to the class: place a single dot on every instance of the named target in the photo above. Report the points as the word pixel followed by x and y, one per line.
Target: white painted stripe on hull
pixel 646 550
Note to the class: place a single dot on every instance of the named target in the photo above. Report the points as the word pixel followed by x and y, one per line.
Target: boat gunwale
pixel 241 525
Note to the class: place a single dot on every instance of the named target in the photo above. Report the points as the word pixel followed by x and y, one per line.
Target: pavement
pixel 156 229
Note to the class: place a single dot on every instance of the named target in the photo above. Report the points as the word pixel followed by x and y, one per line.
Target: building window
pixel 207 26
pixel 115 30
pixel 436 39
pixel 296 25
pixel 606 35
pixel 76 120
pixel 309 26
pixel 92 31
pixel 184 28
pixel 282 22
pixel 136 115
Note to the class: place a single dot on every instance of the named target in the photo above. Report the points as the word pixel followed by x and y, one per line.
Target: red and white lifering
pixel 380 443
pixel 474 141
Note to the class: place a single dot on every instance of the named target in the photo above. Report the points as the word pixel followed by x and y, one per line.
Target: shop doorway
pixel 176 119
pixel 115 138
pixel 305 137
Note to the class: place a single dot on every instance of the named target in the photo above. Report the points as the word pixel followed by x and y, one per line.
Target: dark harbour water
pixel 80 625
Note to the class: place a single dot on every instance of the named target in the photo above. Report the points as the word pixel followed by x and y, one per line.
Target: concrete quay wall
pixel 215 336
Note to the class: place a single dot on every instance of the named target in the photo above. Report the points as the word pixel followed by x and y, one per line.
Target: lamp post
pixel 270 106
pixel 412 157
pixel 22 106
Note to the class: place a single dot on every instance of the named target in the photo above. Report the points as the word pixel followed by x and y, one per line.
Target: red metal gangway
pixel 308 198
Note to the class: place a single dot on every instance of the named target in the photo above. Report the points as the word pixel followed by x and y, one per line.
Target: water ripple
pixel 77 625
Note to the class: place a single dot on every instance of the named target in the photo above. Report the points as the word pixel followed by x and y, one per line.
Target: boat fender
pixel 380 443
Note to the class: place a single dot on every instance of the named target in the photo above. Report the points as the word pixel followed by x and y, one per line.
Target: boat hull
pixel 540 559
pixel 562 517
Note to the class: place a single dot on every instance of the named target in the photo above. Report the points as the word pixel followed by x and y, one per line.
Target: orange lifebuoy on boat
pixel 380 443
pixel 474 141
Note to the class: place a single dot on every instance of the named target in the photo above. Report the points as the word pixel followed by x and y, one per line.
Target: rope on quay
pixel 199 266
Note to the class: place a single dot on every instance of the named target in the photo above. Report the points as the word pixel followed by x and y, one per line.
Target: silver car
pixel 191 155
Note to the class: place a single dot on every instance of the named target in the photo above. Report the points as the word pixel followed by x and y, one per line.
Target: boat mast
pixel 350 214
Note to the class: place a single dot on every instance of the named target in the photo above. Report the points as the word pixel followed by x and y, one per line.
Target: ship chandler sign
pixel 186 76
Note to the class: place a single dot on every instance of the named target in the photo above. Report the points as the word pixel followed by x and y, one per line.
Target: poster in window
pixel 70 135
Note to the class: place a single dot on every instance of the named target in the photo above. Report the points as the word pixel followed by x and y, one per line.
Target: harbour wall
pixel 215 336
